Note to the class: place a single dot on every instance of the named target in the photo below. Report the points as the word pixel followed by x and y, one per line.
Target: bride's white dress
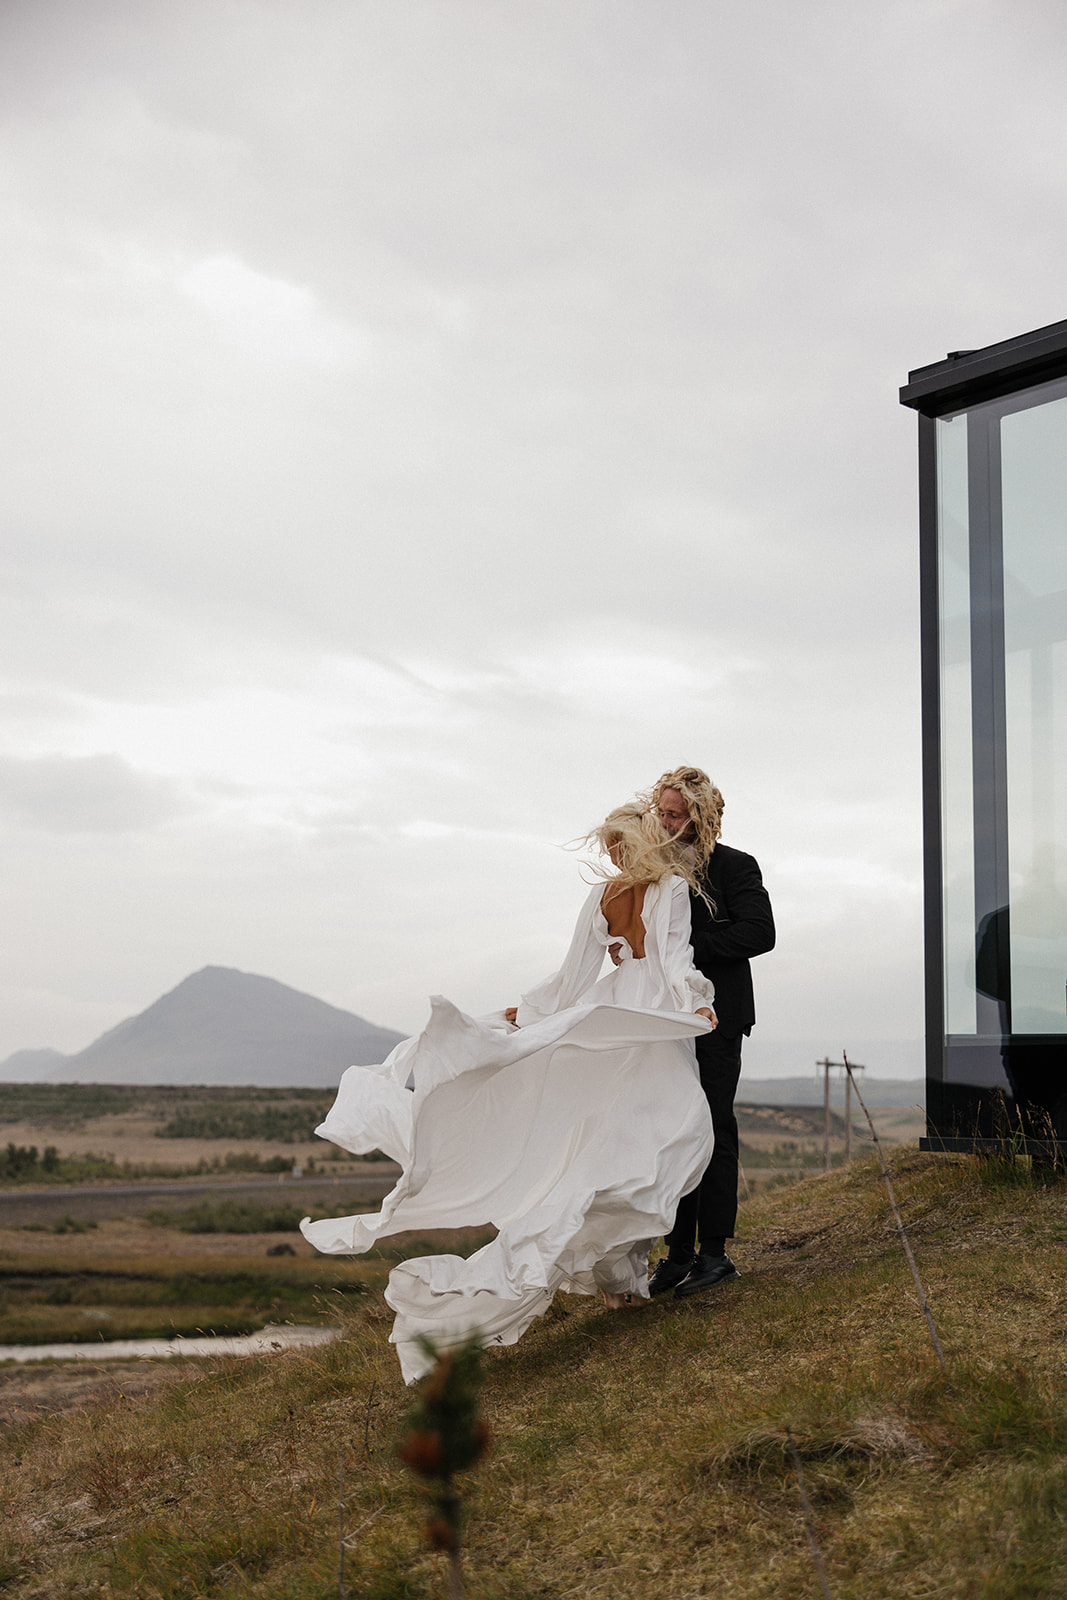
pixel 575 1135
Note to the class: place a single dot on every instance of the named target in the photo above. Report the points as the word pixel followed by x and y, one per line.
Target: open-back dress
pixel 574 1134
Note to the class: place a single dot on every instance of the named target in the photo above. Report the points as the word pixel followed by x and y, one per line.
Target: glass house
pixel 993 559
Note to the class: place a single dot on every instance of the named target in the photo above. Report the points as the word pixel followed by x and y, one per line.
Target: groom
pixel 690 807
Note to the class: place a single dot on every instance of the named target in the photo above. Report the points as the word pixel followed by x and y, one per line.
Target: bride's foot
pixel 622 1302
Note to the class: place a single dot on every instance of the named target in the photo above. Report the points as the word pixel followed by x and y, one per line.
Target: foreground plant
pixel 444 1433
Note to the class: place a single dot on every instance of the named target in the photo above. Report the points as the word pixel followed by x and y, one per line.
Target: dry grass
pixel 639 1455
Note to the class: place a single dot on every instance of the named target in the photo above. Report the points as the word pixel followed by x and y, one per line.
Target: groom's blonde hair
pixel 705 803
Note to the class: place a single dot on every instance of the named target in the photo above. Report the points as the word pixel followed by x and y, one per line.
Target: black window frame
pixel 962 382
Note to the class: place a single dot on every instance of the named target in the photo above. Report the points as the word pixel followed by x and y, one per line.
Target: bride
pixel 572 1123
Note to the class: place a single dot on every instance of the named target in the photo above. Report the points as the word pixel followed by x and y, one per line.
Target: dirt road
pixel 97 1202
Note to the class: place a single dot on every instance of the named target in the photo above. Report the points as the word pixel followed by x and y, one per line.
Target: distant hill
pixel 808 1091
pixel 794 1057
pixel 219 1026
pixel 30 1066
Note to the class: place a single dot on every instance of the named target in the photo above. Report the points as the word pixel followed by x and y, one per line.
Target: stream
pixel 271 1339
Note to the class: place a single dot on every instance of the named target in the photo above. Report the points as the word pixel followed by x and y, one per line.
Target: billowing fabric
pixel 574 1135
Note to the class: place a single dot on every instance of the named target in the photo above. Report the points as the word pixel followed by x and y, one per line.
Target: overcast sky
pixel 427 420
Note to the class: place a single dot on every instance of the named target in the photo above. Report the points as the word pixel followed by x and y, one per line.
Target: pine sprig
pixel 445 1433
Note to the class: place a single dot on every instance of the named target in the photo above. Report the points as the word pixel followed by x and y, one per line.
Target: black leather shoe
pixel 705 1273
pixel 668 1274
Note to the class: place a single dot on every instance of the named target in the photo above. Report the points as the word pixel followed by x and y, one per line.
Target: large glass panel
pixel 1034 491
pixel 957 790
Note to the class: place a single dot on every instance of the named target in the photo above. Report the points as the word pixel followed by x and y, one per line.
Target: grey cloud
pixel 86 794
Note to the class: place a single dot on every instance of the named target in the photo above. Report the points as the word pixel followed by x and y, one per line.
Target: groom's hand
pixel 613 952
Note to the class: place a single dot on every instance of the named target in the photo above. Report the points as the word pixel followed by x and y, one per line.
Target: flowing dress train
pixel 574 1135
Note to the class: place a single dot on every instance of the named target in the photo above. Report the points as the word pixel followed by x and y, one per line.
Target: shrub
pixel 232 1216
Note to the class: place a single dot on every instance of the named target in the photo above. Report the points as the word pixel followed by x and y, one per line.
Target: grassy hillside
pixel 637 1454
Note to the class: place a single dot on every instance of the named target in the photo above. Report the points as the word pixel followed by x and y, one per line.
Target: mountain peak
pixel 222 1026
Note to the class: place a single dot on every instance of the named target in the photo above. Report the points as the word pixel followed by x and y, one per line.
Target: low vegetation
pixel 636 1454
pixel 288 1124
pixel 788 1155
pixel 71 1105
pixel 25 1161
pixel 64 1224
pixel 22 1165
pixel 232 1216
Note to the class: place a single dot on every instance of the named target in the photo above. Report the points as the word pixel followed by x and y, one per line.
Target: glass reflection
pixel 1034 500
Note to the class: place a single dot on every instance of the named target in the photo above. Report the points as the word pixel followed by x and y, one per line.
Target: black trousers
pixel 711 1209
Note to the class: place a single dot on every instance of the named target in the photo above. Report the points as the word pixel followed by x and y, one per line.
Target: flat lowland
pixel 641 1454
pixel 223 1265
pixel 165 1126
pixel 141 1130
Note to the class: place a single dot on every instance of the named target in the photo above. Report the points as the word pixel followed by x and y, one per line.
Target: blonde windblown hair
pixel 706 806
pixel 641 852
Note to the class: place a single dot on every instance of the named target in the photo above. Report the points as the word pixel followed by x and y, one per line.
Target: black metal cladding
pixel 966 377
pixel 993 573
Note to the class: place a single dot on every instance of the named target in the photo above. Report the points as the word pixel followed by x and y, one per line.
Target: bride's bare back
pixel 622 913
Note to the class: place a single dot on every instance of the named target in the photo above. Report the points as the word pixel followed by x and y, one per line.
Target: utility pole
pixel 827 1065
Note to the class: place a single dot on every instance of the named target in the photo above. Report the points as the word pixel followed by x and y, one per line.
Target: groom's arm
pixel 743 925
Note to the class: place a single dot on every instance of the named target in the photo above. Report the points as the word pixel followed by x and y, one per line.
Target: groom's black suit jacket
pixel 741 927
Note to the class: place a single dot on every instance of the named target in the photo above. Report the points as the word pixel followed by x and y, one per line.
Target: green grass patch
pixel 64 1224
pixel 790 1154
pixel 406 1246
pixel 69 1105
pixel 283 1122
pixel 56 1170
pixel 72 1105
pixel 47 1303
pixel 232 1216
pixel 1011 1169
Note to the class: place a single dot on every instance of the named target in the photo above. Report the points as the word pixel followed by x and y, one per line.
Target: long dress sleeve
pixel 578 973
